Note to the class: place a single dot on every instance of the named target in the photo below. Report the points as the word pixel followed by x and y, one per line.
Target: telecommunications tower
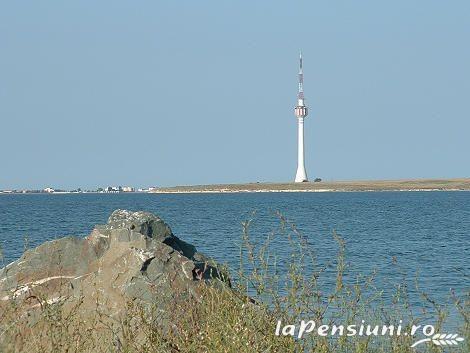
pixel 301 112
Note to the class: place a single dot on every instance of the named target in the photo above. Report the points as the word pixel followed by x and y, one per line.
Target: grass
pixel 242 318
pixel 327 185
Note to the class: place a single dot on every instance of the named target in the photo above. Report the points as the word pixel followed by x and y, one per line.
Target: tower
pixel 301 112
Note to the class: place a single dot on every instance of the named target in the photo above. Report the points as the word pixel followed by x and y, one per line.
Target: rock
pixel 134 257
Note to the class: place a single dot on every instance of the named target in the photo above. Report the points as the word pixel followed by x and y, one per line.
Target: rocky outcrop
pixel 135 256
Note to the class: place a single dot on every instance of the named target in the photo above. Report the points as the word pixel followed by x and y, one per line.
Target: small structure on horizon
pixel 116 189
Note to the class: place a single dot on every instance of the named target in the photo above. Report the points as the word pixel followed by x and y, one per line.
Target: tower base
pixel 301 176
pixel 301 181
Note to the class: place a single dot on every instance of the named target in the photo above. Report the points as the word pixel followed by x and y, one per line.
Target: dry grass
pixel 353 185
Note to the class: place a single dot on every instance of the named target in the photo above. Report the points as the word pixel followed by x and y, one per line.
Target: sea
pixel 420 237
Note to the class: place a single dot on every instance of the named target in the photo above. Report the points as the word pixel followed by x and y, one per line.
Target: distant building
pixel 112 189
pixel 49 190
pixel 115 189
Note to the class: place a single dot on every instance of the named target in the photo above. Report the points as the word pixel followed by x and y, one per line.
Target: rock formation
pixel 135 256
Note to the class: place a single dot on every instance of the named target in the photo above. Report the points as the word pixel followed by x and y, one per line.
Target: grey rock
pixel 135 256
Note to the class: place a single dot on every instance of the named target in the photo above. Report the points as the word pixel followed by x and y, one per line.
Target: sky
pixel 160 93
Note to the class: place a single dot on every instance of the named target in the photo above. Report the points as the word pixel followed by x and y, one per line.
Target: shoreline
pixel 298 191
pixel 405 185
pixel 264 191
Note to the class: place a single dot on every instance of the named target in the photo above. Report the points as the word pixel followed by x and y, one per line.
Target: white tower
pixel 301 112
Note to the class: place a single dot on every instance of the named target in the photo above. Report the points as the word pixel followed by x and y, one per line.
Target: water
pixel 427 232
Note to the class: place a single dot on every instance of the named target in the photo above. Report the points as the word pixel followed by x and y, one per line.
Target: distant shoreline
pixel 461 184
pixel 404 185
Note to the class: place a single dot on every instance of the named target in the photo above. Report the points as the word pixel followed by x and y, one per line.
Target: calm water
pixel 427 232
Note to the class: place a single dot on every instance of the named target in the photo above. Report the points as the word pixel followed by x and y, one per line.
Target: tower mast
pixel 301 112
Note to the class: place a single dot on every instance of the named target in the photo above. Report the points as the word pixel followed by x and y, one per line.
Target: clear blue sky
pixel 187 92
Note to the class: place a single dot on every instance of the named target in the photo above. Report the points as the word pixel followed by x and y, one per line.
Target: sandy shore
pixel 327 186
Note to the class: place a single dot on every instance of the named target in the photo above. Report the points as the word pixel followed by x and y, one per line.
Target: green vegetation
pixel 242 318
